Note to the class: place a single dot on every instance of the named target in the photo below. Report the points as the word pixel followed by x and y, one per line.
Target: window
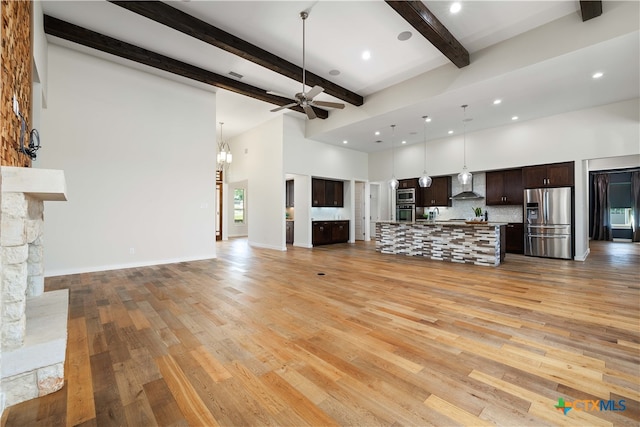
pixel 238 206
pixel 620 214
pixel 620 217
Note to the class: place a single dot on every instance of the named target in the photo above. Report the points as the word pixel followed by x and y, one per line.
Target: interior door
pixel 218 205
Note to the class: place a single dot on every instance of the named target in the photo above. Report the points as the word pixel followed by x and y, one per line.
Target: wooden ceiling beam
pixel 590 9
pixel 180 21
pixel 67 31
pixel 426 23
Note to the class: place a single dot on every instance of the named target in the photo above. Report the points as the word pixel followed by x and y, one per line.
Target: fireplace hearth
pixel 33 323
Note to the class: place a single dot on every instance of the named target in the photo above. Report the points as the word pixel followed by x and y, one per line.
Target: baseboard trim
pixel 582 257
pixel 95 269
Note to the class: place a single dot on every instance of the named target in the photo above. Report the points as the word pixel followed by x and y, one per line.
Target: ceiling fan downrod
pixel 304 15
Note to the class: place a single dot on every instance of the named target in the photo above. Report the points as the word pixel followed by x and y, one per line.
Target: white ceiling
pixel 337 32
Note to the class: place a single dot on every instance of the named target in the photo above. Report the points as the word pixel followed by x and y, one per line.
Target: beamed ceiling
pixel 212 43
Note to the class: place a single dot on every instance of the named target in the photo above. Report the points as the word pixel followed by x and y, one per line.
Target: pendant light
pixel 465 176
pixel 393 182
pixel 425 179
pixel 224 157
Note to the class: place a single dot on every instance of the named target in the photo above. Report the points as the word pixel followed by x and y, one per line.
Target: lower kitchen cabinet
pixel 329 232
pixel 289 234
pixel 515 238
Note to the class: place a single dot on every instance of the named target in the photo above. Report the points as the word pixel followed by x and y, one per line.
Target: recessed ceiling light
pixel 334 72
pixel 405 35
pixel 497 101
pixel 366 55
pixel 345 142
pixel 404 142
pixel 597 75
pixel 455 7
pixel 514 118
pixel 377 132
pixel 450 132
pixel 428 119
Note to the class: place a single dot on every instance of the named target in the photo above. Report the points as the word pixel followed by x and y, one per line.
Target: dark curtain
pixel 635 204
pixel 601 226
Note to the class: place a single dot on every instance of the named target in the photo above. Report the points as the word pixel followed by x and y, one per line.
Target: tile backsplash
pixel 464 208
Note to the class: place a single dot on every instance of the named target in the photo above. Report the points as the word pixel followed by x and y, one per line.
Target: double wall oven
pixel 405 204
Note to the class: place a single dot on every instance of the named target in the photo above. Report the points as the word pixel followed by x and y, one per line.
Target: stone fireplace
pixel 33 323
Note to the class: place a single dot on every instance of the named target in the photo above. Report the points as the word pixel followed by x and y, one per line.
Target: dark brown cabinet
pixel 329 232
pixel 289 193
pixel 340 232
pixel 550 175
pixel 438 194
pixel 408 183
pixel 504 187
pixel 320 232
pixel 327 193
pixel 514 238
pixel 289 232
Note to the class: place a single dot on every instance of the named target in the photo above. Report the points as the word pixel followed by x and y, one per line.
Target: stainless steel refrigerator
pixel 548 222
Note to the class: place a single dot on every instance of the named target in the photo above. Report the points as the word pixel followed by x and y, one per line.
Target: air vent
pixel 236 75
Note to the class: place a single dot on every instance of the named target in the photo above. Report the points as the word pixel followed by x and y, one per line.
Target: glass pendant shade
pixel 424 180
pixel 394 183
pixel 464 177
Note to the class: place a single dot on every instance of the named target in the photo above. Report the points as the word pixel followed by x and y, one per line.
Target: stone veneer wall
pixel 462 243
pixel 21 225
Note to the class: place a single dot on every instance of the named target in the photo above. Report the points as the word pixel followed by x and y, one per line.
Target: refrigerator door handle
pixel 550 236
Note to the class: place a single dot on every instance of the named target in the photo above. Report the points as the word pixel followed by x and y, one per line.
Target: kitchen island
pixel 453 241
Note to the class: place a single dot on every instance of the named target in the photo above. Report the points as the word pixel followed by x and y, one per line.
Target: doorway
pixel 360 212
pixel 374 207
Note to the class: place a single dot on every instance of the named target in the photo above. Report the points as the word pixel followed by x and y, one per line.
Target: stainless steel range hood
pixel 467 193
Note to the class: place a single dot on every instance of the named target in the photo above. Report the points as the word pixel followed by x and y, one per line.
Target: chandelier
pixel 224 157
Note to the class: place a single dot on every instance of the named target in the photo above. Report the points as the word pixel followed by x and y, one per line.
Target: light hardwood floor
pixel 260 337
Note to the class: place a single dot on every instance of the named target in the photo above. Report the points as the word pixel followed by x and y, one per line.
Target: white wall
pixel 257 158
pixel 138 153
pixel 606 131
pixel 306 157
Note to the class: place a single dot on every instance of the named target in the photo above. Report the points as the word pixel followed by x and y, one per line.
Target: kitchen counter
pixel 452 241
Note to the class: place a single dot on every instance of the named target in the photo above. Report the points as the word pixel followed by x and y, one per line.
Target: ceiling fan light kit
pixel 305 99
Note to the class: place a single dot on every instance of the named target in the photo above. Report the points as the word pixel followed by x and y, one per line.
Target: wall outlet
pixel 132 251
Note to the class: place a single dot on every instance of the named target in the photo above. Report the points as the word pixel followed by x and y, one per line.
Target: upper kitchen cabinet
pixel 504 187
pixel 438 194
pixel 289 193
pixel 327 193
pixel 408 183
pixel 550 175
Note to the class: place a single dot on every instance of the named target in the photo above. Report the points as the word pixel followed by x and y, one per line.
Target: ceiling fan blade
pixel 293 104
pixel 314 91
pixel 309 110
pixel 328 104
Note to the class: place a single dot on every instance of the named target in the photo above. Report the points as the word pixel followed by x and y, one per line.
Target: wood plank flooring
pixel 260 337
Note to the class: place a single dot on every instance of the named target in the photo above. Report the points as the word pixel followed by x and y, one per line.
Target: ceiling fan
pixel 305 99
